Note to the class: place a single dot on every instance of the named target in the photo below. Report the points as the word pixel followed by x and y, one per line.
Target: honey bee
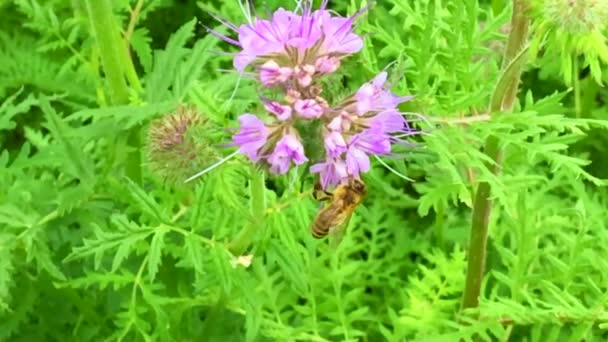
pixel 342 203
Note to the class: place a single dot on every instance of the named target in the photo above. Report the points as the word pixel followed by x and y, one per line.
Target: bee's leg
pixel 319 194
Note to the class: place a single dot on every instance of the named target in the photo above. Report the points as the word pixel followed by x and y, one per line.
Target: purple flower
pixel 298 38
pixel 338 34
pixel 372 96
pixel 252 136
pixel 388 121
pixel 263 38
pixel 282 112
pixel 371 141
pixel 288 149
pixel 331 172
pixel 309 108
pixel 334 144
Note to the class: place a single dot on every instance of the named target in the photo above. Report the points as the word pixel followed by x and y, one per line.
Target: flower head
pixel 289 52
pixel 367 123
pixel 314 38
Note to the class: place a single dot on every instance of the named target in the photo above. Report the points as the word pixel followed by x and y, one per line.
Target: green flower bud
pixel 179 145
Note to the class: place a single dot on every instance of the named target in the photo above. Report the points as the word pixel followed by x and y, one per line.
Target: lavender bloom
pixel 331 172
pixel 372 96
pixel 371 141
pixel 367 120
pixel 252 136
pixel 297 38
pixel 288 149
pixel 289 51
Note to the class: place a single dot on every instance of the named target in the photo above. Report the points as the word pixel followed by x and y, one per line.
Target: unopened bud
pixel 178 146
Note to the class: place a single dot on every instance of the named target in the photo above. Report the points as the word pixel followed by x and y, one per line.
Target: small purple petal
pixel 334 144
pixel 371 141
pixel 288 149
pixel 356 161
pixel 252 136
pixel 388 121
pixel 282 112
pixel 272 74
pixel 372 96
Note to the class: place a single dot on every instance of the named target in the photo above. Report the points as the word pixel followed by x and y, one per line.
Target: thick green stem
pixel 111 49
pixel 577 86
pixel 440 226
pixel 244 238
pixel 118 68
pixel 502 100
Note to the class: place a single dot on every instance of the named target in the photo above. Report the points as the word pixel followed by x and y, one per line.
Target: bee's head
pixel 358 186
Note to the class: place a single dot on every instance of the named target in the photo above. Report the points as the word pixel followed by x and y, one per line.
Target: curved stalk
pixel 503 98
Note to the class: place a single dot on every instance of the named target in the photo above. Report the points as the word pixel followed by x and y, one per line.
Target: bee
pixel 342 203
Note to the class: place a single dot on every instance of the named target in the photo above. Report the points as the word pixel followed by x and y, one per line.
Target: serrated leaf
pixel 194 253
pixel 145 202
pixel 156 252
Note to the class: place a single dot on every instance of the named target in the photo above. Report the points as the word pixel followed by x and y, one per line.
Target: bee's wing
pixel 336 235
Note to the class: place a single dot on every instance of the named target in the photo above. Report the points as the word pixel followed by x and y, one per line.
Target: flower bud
pixel 178 145
pixel 577 16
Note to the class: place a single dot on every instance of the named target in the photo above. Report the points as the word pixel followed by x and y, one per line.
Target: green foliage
pixel 94 245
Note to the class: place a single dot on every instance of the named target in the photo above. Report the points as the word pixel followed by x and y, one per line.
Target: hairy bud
pixel 577 16
pixel 178 146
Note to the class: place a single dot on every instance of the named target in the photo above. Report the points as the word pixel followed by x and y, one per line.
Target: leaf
pixel 166 63
pixel 6 269
pixel 156 252
pixel 119 243
pixel 8 110
pixel 194 253
pixel 77 164
pixel 145 202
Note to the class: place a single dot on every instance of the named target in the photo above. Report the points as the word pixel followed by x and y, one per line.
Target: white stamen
pixel 222 161
pixel 392 170
pixel 246 12
pixel 236 87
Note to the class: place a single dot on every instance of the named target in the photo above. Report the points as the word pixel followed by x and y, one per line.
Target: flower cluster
pixel 289 53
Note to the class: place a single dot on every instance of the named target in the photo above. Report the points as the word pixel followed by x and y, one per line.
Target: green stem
pixel 577 87
pixel 118 68
pixel 107 36
pixel 244 238
pixel 502 100
pixel 440 226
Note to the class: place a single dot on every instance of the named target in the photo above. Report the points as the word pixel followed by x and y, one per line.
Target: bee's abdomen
pixel 319 229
